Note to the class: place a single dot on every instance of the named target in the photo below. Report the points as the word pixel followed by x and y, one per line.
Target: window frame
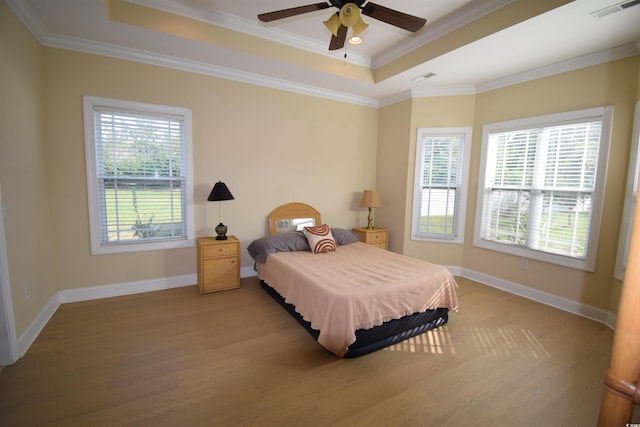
pixel 588 262
pixel 630 199
pixel 460 204
pixel 93 182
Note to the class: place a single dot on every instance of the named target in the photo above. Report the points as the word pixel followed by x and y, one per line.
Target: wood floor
pixel 236 358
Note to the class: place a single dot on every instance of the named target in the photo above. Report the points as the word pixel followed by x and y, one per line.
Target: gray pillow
pixel 343 237
pixel 259 249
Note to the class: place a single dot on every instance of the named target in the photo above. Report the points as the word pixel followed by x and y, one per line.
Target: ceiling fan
pixel 348 16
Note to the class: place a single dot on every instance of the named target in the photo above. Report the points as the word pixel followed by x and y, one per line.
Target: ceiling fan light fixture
pixel 355 40
pixel 333 24
pixel 349 15
pixel 359 27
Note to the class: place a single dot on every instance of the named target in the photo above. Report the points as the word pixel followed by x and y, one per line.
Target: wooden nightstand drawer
pixel 378 237
pixel 220 249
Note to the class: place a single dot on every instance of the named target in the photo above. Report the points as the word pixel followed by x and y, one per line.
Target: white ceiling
pixel 562 39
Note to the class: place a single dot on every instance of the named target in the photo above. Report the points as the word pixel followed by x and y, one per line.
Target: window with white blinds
pixel 138 173
pixel 442 162
pixel 542 184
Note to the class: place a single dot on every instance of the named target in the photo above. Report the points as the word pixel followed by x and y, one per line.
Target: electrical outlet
pixel 524 263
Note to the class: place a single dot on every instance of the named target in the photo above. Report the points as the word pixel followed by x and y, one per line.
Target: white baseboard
pixel 33 330
pixel 95 292
pixel 611 320
pixel 247 272
pixel 571 306
pixel 106 291
pixel 456 271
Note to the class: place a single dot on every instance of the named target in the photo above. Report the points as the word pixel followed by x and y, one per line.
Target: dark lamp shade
pixel 220 192
pixel 370 199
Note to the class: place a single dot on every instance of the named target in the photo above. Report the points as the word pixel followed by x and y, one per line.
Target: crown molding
pixel 444 91
pixel 398 97
pixel 439 28
pixel 24 12
pixel 28 18
pixel 120 52
pixel 571 64
pixel 428 93
pixel 253 28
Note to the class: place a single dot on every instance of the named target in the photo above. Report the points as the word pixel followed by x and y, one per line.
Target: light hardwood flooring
pixel 236 358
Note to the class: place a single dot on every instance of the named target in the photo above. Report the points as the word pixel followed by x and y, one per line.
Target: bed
pixel 353 298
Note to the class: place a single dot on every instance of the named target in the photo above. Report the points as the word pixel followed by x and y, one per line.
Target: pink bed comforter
pixel 356 287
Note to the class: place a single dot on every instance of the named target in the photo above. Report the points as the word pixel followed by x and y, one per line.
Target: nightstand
pixel 378 237
pixel 218 264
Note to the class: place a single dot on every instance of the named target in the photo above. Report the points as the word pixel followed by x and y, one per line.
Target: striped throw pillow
pixel 320 239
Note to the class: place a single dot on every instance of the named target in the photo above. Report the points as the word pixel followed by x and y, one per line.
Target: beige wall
pixel 391 180
pixel 450 111
pixel 617 285
pixel 270 147
pixel 638 86
pixel 26 190
pixel 613 83
pixel 608 84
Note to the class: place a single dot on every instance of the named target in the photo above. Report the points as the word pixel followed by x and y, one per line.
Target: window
pixel 442 165
pixel 541 186
pixel 138 175
pixel 629 200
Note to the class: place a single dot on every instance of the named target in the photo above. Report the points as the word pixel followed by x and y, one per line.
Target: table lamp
pixel 370 199
pixel 219 193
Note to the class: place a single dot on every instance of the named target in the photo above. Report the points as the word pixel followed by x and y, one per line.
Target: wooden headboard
pixel 291 217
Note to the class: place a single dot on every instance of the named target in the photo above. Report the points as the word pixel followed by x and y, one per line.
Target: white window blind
pixel 139 174
pixel 440 188
pixel 541 186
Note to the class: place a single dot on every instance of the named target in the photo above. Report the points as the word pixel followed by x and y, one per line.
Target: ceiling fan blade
pixel 285 13
pixel 393 17
pixel 337 42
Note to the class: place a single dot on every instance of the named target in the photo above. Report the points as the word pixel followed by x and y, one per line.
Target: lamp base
pixel 370 219
pixel 221 230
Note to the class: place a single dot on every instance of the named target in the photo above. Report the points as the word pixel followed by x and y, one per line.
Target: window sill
pixel 524 252
pixel 120 248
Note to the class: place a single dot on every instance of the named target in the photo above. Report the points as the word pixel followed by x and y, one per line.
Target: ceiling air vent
pixel 618 7
pixel 426 76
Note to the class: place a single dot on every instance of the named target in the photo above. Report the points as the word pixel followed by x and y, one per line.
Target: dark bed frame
pixel 378 337
pixel 367 340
